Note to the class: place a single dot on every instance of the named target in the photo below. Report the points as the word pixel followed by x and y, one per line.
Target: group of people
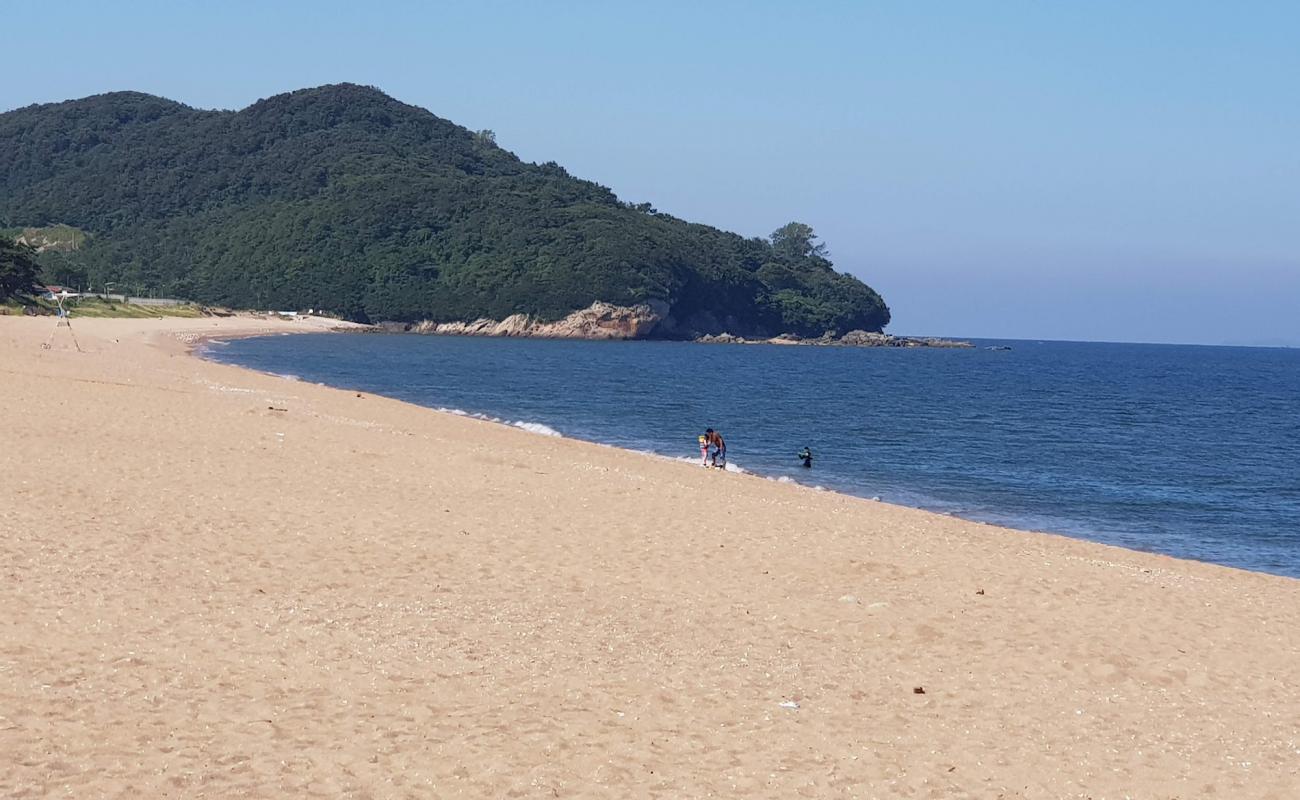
pixel 713 450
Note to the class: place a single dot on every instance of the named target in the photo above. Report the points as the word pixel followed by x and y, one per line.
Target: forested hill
pixel 344 199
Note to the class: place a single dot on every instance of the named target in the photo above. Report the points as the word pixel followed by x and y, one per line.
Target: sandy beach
pixel 216 583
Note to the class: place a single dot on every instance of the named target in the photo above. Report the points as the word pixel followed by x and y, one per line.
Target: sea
pixel 1185 450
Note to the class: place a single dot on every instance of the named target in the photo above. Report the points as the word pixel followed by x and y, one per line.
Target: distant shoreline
pixel 487 329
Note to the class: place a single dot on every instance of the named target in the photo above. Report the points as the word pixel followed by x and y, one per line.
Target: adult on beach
pixel 719 453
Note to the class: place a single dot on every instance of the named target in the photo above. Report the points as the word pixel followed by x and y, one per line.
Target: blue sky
pixel 1101 170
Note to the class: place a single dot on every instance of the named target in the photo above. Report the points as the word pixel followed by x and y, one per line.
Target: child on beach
pixel 704 451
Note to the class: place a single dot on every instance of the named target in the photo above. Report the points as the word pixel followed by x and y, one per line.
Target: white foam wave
pixel 460 412
pixel 684 459
pixel 538 428
pixel 532 427
pixel 730 467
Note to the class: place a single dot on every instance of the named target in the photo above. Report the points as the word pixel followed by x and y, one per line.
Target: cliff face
pixel 597 321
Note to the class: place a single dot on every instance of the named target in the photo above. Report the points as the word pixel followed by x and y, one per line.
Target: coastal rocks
pixel 870 339
pixel 722 338
pixel 651 319
pixel 786 338
pixel 866 339
pixel 597 321
pixel 850 339
pixel 930 341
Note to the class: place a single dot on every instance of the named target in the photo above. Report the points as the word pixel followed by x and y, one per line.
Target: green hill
pixel 344 199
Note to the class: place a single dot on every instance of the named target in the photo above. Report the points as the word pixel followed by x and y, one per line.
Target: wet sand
pixel 216 583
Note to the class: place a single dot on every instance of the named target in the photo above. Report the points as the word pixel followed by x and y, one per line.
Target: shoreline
pixel 490 329
pixel 221 582
pixel 1083 533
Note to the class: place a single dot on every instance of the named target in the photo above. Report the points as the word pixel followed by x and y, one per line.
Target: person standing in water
pixel 805 456
pixel 714 439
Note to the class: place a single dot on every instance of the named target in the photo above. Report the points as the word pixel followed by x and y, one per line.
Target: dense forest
pixel 343 199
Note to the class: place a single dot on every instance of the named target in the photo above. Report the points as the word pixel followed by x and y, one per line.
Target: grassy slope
pixel 59 237
pixel 95 307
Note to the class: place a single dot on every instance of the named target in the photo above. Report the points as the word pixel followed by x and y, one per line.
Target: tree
pixel 17 267
pixel 794 240
pixel 63 268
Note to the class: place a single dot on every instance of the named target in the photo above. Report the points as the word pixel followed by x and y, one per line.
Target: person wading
pixel 719 452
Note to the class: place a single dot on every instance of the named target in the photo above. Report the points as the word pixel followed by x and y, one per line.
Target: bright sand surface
pixel 202 595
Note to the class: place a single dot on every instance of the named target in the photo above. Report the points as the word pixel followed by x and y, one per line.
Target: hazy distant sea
pixel 1186 450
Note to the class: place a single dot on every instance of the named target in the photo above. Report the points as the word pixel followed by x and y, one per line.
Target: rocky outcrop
pixel 597 321
pixel 723 338
pixel 850 339
pixel 868 339
pixel 644 321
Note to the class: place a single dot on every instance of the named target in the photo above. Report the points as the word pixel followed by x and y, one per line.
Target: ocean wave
pixel 684 459
pixel 532 427
pixel 538 428
pixel 695 460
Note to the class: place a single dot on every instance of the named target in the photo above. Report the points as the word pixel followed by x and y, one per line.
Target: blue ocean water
pixel 1185 450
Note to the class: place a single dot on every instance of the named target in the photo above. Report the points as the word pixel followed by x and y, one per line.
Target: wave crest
pixel 538 428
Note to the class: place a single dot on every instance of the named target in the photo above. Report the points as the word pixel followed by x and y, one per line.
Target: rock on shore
pixel 647 320
pixel 597 321
pixel 850 339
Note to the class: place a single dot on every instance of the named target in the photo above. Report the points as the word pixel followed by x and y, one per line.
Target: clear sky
pixel 1091 170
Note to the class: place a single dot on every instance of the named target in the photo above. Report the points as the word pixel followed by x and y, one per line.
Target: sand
pixel 204 596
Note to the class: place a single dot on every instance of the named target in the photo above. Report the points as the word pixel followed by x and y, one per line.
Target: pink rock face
pixel 597 321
